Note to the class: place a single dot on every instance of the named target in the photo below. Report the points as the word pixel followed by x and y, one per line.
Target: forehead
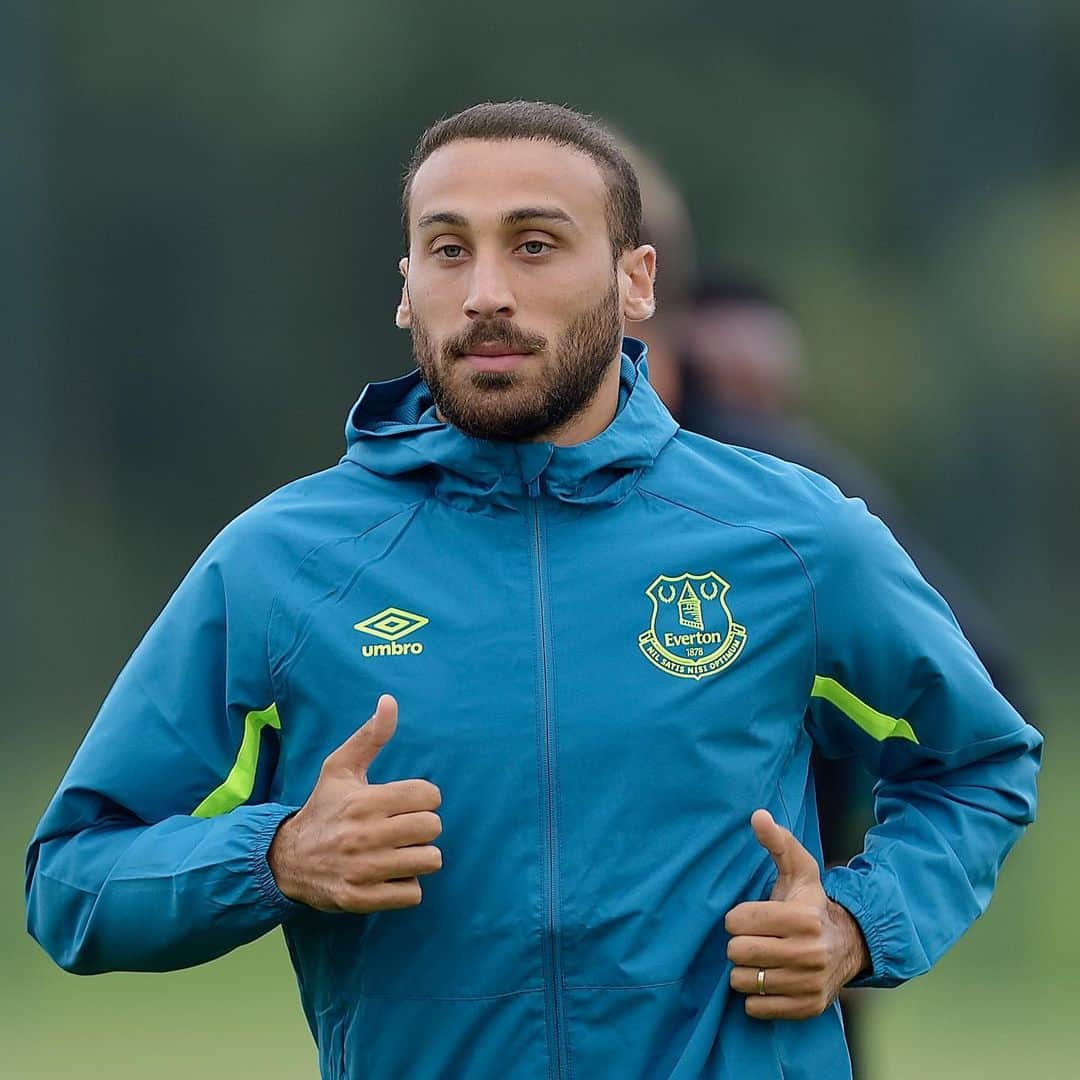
pixel 482 179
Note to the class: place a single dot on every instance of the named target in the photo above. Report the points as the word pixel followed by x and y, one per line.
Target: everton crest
pixel 692 633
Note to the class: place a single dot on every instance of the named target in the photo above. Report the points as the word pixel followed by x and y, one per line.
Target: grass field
pixel 1002 1004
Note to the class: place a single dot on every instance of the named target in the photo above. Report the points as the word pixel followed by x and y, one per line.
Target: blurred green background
pixel 199 206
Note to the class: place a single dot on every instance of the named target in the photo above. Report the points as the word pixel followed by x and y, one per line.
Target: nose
pixel 489 295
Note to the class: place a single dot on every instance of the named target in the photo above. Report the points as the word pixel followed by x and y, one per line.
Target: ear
pixel 403 318
pixel 637 272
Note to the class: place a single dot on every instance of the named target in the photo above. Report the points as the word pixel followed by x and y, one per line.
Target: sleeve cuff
pixel 848 887
pixel 272 814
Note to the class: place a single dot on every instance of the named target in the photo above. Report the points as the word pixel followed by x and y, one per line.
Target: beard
pixel 516 405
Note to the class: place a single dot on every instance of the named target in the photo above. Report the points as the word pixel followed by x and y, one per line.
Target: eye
pixel 450 251
pixel 535 247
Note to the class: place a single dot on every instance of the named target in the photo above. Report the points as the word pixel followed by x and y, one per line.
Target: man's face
pixel 512 294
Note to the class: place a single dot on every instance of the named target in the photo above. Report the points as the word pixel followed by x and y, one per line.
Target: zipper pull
pixel 534 488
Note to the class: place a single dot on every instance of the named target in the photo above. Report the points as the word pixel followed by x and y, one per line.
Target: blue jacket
pixel 606 656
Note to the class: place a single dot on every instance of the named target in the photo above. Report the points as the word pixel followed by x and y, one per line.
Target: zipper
pixel 550 938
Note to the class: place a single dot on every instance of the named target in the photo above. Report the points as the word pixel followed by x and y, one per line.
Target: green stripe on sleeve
pixel 875 724
pixel 240 782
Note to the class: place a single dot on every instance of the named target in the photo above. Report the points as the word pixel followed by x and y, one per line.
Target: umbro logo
pixel 391 624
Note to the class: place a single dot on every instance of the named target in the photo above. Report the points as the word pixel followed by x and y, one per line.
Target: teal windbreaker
pixel 606 657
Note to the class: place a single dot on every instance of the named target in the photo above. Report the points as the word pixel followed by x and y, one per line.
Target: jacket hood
pixel 393 430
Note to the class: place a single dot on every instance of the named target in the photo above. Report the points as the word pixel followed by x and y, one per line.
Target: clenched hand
pixel 808 945
pixel 355 846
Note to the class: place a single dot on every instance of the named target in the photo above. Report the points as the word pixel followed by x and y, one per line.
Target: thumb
pixel 797 867
pixel 359 750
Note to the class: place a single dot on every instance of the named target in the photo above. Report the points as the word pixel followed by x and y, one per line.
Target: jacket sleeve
pixel 151 856
pixel 898 685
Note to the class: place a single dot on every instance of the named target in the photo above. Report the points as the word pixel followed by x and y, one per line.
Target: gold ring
pixel 761 981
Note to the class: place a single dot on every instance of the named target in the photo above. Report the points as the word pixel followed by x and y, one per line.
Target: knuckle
pixel 360 872
pixel 352 898
pixel 423 794
pixel 410 789
pixel 350 844
pixel 355 801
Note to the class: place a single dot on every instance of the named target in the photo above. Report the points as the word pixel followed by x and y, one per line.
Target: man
pixel 599 650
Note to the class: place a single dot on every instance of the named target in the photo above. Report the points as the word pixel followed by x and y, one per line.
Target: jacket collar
pixel 392 430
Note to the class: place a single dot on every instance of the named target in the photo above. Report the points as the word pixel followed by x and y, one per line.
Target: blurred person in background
pixel 741 376
pixel 666 224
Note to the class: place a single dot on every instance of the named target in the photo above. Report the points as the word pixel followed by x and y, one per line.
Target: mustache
pixel 493 333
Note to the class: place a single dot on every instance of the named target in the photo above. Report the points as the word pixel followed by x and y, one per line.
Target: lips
pixel 494 358
pixel 494 349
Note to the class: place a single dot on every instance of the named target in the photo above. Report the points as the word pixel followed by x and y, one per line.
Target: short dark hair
pixel 735 288
pixel 501 121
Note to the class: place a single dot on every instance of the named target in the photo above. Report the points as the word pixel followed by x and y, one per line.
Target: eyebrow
pixel 537 213
pixel 511 217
